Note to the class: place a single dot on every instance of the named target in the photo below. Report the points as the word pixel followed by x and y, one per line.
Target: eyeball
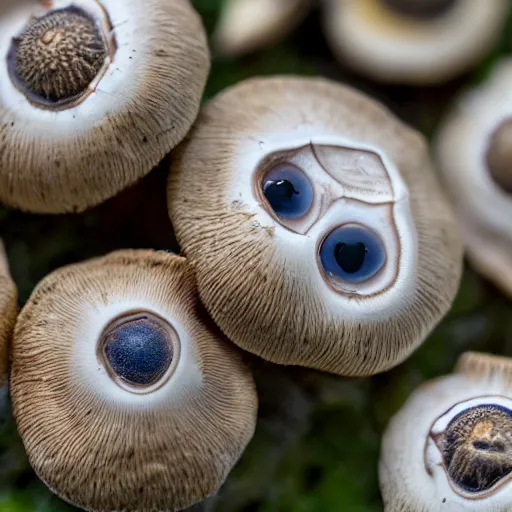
pixel 314 220
pixel 450 447
pixel 351 254
pixel 288 191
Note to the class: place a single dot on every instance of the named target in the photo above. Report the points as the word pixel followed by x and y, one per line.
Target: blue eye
pixel 139 351
pixel 288 191
pixel 352 253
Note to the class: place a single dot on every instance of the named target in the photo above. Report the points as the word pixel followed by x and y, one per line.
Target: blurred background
pixel 317 443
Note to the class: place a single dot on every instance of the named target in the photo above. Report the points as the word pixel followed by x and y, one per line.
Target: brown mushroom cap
pixel 260 279
pixel 72 137
pixel 8 312
pixel 162 445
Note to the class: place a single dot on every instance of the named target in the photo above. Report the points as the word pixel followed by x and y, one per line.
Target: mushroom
pixel 474 148
pixel 93 95
pixel 248 25
pixel 123 392
pixel 418 42
pixel 449 449
pixel 316 225
pixel 8 312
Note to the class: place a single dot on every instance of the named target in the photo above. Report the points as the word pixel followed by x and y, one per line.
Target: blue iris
pixel 288 191
pixel 352 253
pixel 139 351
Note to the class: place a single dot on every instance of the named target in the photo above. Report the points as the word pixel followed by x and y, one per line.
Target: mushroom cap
pixel 162 448
pixel 248 25
pixel 484 206
pixel 260 279
pixel 412 473
pixel 8 312
pixel 68 160
pixel 390 47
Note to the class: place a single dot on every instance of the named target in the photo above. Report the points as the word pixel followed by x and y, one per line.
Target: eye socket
pixel 288 191
pixel 352 253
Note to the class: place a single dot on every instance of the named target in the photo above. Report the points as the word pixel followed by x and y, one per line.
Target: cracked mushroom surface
pixel 417 42
pixel 93 95
pixel 316 225
pixel 450 446
pixel 8 312
pixel 474 149
pixel 120 381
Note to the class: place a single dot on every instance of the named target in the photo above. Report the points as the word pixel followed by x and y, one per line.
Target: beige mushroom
pixel 93 95
pixel 316 225
pixel 449 449
pixel 417 42
pixel 124 394
pixel 474 153
pixel 248 25
pixel 8 312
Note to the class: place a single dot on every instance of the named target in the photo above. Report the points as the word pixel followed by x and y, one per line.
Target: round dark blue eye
pixel 139 350
pixel 352 253
pixel 288 191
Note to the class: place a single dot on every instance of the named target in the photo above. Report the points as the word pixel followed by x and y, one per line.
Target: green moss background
pixel 317 443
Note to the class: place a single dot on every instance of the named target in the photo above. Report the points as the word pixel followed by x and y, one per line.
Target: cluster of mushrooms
pixel 314 229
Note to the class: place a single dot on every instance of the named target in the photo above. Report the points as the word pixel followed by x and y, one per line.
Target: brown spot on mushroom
pixel 57 56
pixel 421 9
pixel 499 156
pixel 477 447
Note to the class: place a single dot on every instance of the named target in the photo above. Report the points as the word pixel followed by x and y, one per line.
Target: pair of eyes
pixel 351 252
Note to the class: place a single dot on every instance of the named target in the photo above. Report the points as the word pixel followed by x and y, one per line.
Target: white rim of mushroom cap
pixel 163 443
pixel 412 473
pixel 141 104
pixel 248 25
pixel 484 208
pixel 8 312
pixel 390 47
pixel 261 278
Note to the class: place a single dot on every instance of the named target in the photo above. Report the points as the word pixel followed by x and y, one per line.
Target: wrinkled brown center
pixel 420 9
pixel 477 447
pixel 57 56
pixel 499 156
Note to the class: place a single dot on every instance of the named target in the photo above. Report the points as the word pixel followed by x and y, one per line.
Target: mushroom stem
pixel 499 156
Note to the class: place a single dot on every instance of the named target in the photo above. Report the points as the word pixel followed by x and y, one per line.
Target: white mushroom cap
pixel 413 471
pixel 124 393
pixel 465 145
pixel 261 276
pixel 62 153
pixel 8 312
pixel 248 25
pixel 391 47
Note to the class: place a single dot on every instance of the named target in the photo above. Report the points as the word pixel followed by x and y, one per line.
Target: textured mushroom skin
pixel 243 279
pixel 8 312
pixel 472 404
pixel 143 459
pixel 142 108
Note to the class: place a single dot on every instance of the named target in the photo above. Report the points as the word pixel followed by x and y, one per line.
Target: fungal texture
pixel 93 96
pixel 318 230
pixel 474 153
pixel 120 382
pixel 450 446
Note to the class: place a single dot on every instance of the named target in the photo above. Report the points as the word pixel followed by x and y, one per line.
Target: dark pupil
pixel 350 256
pixel 279 192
